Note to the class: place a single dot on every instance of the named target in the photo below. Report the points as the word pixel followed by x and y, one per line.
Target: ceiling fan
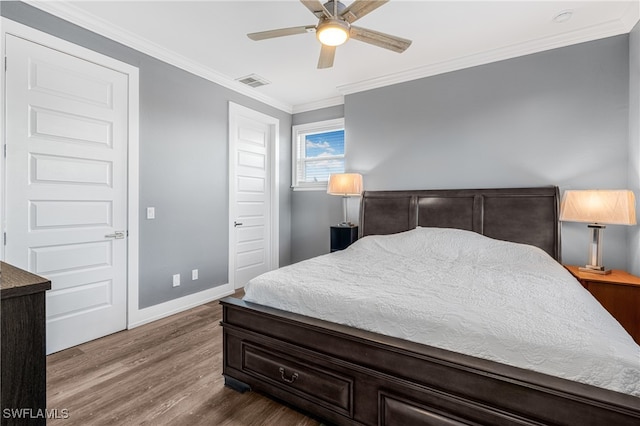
pixel 334 28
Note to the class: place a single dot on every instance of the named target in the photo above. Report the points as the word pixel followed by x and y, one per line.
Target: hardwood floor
pixel 166 372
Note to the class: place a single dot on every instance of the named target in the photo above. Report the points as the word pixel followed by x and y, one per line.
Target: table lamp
pixel 598 208
pixel 347 185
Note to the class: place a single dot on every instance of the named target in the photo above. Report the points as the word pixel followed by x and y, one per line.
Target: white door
pixel 66 187
pixel 253 237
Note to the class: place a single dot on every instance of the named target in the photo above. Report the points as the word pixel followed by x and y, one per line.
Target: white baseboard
pixel 162 310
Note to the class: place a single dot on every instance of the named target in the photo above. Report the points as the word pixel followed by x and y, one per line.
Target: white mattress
pixel 467 293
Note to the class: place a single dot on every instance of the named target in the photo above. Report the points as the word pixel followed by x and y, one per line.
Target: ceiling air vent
pixel 253 80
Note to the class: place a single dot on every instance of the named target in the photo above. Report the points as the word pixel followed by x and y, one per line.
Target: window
pixel 317 152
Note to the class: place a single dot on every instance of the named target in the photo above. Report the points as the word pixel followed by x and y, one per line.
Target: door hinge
pixel 5 150
pixel 4 237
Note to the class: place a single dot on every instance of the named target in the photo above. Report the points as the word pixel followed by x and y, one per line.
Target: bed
pixel 348 375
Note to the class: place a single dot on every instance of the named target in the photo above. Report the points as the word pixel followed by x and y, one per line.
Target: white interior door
pixel 252 233
pixel 66 187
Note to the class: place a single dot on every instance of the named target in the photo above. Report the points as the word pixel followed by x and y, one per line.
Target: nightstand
pixel 342 237
pixel 618 292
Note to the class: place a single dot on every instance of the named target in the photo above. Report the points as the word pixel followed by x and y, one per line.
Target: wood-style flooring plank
pixel 168 372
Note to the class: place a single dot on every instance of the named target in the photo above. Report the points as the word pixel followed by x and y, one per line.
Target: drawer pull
pixel 293 378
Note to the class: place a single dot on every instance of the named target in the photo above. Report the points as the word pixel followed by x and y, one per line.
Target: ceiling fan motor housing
pixel 331 4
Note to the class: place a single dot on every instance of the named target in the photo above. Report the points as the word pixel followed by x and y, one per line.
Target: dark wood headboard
pixel 521 215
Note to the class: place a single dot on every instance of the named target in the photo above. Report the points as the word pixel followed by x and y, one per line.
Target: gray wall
pixel 315 211
pixel 554 118
pixel 634 143
pixel 183 165
pixel 559 117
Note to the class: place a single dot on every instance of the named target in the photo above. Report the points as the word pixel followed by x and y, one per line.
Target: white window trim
pixel 314 127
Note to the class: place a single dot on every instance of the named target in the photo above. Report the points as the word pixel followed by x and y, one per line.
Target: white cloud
pixel 328 164
pixel 321 144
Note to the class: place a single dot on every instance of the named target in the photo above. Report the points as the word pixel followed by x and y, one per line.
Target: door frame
pixel 235 111
pixel 8 26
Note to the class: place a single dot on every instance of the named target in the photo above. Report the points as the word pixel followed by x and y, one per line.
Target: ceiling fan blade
pixel 397 44
pixel 360 8
pixel 263 35
pixel 317 8
pixel 327 53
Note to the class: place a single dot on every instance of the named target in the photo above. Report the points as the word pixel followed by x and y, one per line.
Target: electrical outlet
pixel 194 274
pixel 176 280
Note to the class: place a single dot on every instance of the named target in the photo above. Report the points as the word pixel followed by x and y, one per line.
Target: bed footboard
pixel 349 376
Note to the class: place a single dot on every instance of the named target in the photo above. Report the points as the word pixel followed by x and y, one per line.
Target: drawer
pixel 431 408
pixel 397 412
pixel 300 377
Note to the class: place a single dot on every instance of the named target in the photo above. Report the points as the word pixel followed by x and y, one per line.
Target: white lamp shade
pixel 345 184
pixel 609 207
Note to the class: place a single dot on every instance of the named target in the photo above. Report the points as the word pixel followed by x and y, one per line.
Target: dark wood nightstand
pixel 618 292
pixel 342 237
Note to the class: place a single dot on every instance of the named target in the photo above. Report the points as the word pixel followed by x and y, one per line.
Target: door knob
pixel 118 235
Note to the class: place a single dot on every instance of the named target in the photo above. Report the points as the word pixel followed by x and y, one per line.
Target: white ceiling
pixel 209 38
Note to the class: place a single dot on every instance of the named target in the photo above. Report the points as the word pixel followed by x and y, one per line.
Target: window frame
pixel 301 130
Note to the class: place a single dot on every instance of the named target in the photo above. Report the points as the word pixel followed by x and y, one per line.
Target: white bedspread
pixel 467 293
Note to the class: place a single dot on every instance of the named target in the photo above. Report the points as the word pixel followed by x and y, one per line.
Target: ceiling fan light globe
pixel 333 32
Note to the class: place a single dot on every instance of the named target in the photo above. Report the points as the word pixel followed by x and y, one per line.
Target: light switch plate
pixel 151 212
pixel 176 280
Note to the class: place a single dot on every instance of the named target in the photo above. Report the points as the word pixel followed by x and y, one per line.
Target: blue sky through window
pixel 327 144
pixel 324 155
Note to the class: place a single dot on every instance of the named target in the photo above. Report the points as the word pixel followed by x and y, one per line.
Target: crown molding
pixel 77 16
pixel 608 29
pixel 631 16
pixel 324 103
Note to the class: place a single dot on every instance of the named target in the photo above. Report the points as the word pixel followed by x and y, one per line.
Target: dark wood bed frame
pixel 349 376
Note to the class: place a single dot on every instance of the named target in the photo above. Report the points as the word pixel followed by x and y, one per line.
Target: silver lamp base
pixel 594 269
pixel 346 224
pixel 595 251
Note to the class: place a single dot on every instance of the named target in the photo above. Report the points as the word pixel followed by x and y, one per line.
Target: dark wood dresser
pixel 23 377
